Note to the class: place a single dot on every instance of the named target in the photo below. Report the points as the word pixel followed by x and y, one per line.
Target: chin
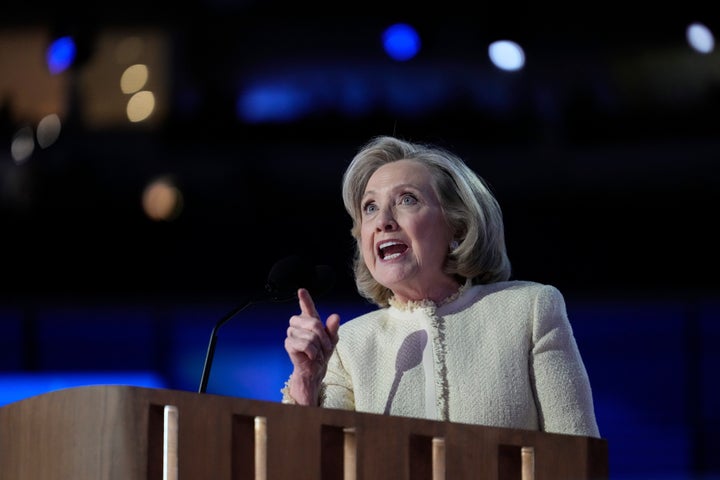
pixel 392 279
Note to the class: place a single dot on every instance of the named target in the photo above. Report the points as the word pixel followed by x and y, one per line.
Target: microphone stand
pixel 282 284
pixel 213 341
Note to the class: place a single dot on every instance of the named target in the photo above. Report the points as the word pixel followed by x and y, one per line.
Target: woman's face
pixel 404 235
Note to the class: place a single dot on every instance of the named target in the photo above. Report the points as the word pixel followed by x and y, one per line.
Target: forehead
pixel 401 171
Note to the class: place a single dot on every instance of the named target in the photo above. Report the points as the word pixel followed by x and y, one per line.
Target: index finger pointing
pixel 307 306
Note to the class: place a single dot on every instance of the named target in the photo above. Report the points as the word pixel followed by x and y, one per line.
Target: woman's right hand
pixel 309 344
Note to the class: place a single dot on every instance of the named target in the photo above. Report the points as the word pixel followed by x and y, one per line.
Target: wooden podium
pixel 110 432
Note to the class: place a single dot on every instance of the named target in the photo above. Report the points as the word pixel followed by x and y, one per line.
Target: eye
pixel 369 208
pixel 408 199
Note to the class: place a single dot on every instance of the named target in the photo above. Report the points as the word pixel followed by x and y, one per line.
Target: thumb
pixel 331 326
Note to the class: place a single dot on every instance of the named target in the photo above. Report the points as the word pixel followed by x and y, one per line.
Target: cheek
pixel 366 242
pixel 439 239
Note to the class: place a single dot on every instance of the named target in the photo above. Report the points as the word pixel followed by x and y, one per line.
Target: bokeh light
pixel 700 38
pixel 48 130
pixel 401 42
pixel 61 54
pixel 140 106
pixel 506 55
pixel 134 78
pixel 162 200
pixel 23 145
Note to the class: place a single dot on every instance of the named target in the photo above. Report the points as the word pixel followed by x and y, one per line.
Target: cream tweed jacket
pixel 499 355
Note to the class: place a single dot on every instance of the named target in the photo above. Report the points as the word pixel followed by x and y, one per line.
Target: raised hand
pixel 309 344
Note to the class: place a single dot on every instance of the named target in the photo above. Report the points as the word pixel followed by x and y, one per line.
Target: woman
pixel 453 338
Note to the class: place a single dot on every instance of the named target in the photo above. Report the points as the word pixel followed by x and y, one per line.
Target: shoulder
pixel 543 303
pixel 513 296
pixel 508 298
pixel 366 321
pixel 517 289
pixel 363 331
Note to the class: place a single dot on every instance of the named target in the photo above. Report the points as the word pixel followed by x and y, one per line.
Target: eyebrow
pixel 402 186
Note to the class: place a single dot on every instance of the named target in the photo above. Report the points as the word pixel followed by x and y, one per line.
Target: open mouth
pixel 391 249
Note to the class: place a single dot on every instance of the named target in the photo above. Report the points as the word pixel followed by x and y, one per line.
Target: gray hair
pixel 470 208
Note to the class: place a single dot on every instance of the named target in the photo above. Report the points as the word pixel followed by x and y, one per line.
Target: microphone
pixel 285 278
pixel 293 272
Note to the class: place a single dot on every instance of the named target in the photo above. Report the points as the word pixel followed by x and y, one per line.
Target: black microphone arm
pixel 284 279
pixel 213 341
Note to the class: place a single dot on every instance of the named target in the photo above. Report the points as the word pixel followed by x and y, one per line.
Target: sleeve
pixel 562 387
pixel 335 391
pixel 337 387
pixel 286 398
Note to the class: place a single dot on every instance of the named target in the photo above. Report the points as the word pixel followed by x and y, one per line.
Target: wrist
pixel 303 389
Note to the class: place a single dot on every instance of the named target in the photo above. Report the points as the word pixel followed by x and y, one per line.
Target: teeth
pixel 383 246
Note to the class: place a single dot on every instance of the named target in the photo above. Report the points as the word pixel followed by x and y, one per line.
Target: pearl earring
pixel 454 244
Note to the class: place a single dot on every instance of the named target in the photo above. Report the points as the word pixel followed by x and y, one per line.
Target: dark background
pixel 603 153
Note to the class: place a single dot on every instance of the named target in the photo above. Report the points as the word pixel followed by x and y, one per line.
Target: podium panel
pixel 111 432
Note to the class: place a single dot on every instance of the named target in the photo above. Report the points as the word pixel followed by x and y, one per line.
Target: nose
pixel 386 220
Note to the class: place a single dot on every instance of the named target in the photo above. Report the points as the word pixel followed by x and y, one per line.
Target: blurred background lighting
pixel 134 78
pixel 273 103
pixel 123 65
pixel 162 200
pixel 48 130
pixel 506 55
pixel 401 42
pixel 23 145
pixel 61 54
pixel 140 106
pixel 700 38
pixel 129 49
